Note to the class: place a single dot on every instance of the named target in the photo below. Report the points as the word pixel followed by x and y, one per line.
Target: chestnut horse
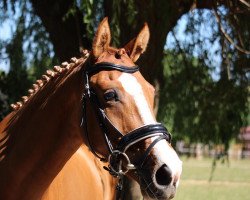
pixel 84 126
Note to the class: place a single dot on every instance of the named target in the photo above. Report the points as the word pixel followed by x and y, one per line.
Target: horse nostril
pixel 163 175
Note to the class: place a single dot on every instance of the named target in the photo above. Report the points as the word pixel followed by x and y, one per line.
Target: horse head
pixel 125 132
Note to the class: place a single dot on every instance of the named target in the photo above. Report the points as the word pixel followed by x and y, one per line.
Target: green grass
pixel 229 182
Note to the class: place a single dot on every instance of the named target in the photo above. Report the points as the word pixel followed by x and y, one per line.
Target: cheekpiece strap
pixel 90 94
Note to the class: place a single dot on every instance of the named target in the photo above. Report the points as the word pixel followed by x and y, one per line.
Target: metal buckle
pixel 119 172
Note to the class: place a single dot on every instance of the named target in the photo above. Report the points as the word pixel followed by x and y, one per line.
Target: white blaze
pixel 163 151
pixel 167 155
pixel 132 86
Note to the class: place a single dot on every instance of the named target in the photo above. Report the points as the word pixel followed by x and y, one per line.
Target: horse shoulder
pixel 82 177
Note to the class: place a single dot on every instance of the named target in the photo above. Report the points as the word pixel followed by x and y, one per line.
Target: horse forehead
pixel 110 56
pixel 130 83
pixel 133 87
pixel 116 78
pixel 136 86
pixel 105 78
pixel 136 83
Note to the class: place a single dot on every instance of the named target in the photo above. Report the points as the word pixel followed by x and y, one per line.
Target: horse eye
pixel 110 95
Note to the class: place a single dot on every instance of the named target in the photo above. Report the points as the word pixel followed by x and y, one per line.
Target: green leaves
pixel 197 107
pixel 28 52
pixel 205 97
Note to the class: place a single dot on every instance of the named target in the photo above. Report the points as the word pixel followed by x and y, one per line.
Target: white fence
pixel 200 150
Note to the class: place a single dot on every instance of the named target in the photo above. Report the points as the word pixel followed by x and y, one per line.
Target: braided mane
pixel 50 74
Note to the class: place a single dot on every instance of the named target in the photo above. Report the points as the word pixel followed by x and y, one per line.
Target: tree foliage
pixel 28 51
pixel 208 102
pixel 197 107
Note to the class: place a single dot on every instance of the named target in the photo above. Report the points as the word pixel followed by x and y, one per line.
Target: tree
pixel 209 107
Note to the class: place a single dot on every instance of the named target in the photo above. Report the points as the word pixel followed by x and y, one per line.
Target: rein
pixel 117 153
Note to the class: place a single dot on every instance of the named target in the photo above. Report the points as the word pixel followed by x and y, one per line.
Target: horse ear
pixel 139 44
pixel 102 38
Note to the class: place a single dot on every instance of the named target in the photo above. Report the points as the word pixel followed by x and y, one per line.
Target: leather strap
pixel 105 66
pixel 143 132
pixel 145 155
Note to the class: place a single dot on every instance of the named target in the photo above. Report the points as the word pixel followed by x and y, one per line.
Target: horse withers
pixel 84 126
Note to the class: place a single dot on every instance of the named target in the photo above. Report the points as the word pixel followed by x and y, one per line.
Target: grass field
pixel 229 182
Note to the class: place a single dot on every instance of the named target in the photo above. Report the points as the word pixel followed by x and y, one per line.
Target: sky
pixel 7 27
pixel 204 33
pixel 5 34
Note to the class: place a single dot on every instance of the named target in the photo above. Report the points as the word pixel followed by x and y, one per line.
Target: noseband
pixel 117 153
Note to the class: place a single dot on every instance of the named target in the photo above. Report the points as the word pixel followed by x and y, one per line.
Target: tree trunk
pixel 67 32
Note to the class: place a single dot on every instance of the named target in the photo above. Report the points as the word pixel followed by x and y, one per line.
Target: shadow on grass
pixel 224 159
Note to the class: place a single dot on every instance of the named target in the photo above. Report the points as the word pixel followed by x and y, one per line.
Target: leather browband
pixel 110 66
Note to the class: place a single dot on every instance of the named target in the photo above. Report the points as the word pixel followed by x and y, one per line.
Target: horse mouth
pixel 151 190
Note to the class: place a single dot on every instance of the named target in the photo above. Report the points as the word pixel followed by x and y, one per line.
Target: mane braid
pixel 50 74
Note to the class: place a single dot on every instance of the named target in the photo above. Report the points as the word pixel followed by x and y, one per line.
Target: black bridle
pixel 117 153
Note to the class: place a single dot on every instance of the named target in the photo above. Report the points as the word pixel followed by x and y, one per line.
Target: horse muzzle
pixel 158 183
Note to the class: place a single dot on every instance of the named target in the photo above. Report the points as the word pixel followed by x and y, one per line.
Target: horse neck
pixel 43 134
